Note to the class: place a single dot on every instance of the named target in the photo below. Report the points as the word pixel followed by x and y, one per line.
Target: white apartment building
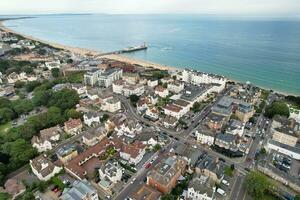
pixel 205 138
pixel 111 105
pixel 196 78
pixel 176 87
pixel 102 77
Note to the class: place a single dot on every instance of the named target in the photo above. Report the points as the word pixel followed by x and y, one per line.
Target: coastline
pixel 83 51
pixel 117 57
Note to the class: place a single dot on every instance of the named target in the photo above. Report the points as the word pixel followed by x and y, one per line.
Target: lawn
pixel 5 127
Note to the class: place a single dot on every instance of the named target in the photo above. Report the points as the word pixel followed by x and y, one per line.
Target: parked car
pixel 221 192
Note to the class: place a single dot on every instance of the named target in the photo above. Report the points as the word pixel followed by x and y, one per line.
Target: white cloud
pixel 247 7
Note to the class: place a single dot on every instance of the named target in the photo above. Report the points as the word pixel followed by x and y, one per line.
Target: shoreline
pixel 118 57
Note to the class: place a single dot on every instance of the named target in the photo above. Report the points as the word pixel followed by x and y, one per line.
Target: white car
pixel 225 182
pixel 221 192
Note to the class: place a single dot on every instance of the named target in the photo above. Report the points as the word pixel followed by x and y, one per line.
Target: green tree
pixel 297 197
pixel 257 184
pixel 197 107
pixel 22 106
pixel 72 113
pixel 104 118
pixel 5 103
pixel 55 72
pixel 64 99
pixel 20 152
pixel 277 108
pixel 54 116
pixel 6 115
pixel 31 85
pixel 134 99
pixel 41 97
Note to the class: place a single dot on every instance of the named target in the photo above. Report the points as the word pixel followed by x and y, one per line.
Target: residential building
pixel 80 89
pixel 201 188
pixel 152 114
pixel 110 173
pixel 212 168
pixel 223 107
pixel 115 121
pixel 245 111
pixel 176 87
pixel 165 175
pixel 118 86
pixel 102 77
pixel 196 93
pixel 152 82
pixel 91 118
pixel 76 166
pixel 129 128
pixel 46 139
pixel 43 168
pixel 235 127
pixel 161 91
pixel 174 111
pixel 133 153
pixel 73 126
pixel 227 141
pixel 53 64
pixel 170 122
pixel 93 136
pixel 80 190
pixel 146 192
pixel 131 78
pixel 205 137
pixel 66 153
pixel 215 121
pixel 197 78
pixel 129 89
pixel 111 105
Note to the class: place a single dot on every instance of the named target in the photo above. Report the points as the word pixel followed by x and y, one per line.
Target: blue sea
pixel 264 51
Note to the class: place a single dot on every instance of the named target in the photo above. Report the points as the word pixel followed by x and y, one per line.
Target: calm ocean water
pixel 264 52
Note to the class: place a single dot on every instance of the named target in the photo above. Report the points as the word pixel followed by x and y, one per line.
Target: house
pixel 145 192
pixel 43 168
pixel 136 89
pixel 205 137
pixel 212 168
pixel 170 122
pixel 66 153
pixel 102 77
pixel 201 188
pixel 161 91
pixel 14 77
pixel 215 122
pixel 165 175
pixel 14 187
pixel 129 128
pixel 93 136
pixel 143 104
pixel 53 64
pixel 133 153
pixel 80 89
pixel 46 139
pixel 111 105
pixel 73 126
pixel 7 91
pixel 76 166
pixel 152 114
pixel 131 78
pixel 235 127
pixel 227 141
pixel 176 87
pixel 152 82
pixel 110 173
pixel 148 138
pixel 174 110
pixel 80 190
pixel 285 134
pixel 115 121
pixel 118 86
pixel 245 111
pixel 91 118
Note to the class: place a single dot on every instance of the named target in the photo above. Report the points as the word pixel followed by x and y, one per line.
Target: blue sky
pixel 221 7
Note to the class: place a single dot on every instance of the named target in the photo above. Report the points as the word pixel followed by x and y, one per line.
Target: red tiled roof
pixel 73 123
pixel 173 108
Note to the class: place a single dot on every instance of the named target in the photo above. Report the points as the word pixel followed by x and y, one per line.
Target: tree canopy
pixel 277 108
pixel 257 184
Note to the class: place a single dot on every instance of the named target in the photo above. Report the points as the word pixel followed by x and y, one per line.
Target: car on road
pixel 132 181
pixel 147 165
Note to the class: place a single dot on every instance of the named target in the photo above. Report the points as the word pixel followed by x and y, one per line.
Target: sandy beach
pixel 83 51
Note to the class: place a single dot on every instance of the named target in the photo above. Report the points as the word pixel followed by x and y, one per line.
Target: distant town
pixel 75 126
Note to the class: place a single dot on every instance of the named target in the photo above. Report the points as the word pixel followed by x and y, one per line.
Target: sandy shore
pixel 83 51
